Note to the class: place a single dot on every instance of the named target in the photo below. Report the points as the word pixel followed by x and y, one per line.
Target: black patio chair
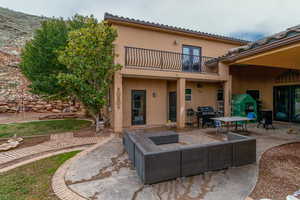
pixel 266 119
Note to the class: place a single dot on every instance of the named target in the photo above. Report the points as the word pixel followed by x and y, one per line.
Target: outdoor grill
pixel 206 113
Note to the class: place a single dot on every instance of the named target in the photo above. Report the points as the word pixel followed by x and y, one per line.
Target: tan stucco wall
pixel 150 39
pixel 156 81
pixel 206 95
pixel 256 78
pixel 156 107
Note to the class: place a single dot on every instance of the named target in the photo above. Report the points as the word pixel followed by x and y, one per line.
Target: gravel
pixel 279 173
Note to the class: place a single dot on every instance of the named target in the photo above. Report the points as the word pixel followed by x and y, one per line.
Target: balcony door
pixel 138 112
pixel 191 58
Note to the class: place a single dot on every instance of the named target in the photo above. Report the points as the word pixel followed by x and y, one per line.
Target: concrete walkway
pixel 40 157
pixel 59 185
pixel 56 143
pixel 106 173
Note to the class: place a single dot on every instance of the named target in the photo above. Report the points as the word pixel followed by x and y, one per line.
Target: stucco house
pixel 167 70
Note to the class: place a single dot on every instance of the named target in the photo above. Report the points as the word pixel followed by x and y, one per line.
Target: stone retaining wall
pixel 37 105
pixel 14 91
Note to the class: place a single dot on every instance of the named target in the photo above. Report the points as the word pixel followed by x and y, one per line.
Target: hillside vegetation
pixel 16 27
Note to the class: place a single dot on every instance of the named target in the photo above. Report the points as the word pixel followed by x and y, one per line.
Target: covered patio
pixel 268 70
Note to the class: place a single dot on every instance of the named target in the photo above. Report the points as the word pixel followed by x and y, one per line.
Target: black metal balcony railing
pixel 165 60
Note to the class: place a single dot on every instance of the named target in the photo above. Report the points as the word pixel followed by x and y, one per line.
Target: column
pixel 224 72
pixel 117 103
pixel 181 103
pixel 227 96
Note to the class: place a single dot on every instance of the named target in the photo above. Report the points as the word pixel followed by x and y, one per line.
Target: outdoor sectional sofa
pixel 154 164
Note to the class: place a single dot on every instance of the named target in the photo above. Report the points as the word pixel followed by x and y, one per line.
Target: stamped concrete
pixel 57 142
pixel 106 173
pixel 59 186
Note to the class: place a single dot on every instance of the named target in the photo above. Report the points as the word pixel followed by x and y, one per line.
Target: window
pixel 220 95
pixel 188 94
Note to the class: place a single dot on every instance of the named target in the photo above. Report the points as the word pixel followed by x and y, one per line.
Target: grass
pixel 32 181
pixel 42 127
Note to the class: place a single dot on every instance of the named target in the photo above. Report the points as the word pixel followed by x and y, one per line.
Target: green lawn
pixel 42 127
pixel 32 181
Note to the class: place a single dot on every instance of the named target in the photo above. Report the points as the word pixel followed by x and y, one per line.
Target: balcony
pixel 149 59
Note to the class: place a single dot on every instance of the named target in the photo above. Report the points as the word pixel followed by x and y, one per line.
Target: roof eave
pixel 120 20
pixel 233 58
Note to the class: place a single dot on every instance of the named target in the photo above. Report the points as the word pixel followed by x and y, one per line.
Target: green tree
pixel 89 57
pixel 39 58
pixel 40 55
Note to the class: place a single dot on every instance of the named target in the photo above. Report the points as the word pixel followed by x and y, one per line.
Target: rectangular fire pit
pixel 155 164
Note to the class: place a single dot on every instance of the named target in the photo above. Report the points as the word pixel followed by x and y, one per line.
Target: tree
pixel 39 58
pixel 40 55
pixel 89 57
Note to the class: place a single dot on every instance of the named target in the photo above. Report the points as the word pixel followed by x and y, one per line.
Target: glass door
pixel 295 111
pixel 172 106
pixel 138 112
pixel 282 103
pixel 191 58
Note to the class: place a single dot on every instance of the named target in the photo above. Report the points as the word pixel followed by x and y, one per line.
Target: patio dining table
pixel 234 119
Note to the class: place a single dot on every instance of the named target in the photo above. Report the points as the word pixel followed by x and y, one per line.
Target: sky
pixel 245 19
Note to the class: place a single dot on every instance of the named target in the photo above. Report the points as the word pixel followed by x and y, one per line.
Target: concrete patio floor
pixel 107 174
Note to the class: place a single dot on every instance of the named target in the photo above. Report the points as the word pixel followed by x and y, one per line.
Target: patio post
pixel 227 96
pixel 117 103
pixel 181 103
pixel 227 86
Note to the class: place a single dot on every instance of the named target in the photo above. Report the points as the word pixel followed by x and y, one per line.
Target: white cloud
pixel 214 16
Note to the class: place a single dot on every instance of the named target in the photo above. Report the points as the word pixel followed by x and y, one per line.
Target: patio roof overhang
pixel 281 50
pixel 281 57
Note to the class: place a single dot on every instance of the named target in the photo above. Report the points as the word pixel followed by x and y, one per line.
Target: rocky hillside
pixel 16 27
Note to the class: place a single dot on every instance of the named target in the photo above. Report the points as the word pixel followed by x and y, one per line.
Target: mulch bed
pixel 279 173
pixel 28 142
pixel 85 132
pixel 90 132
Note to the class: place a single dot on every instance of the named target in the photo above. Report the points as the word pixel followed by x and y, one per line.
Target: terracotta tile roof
pixel 108 16
pixel 259 44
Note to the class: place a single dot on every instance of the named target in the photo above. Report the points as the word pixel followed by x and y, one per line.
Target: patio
pixel 106 172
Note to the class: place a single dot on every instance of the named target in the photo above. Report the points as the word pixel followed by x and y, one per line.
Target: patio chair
pixel 218 125
pixel 266 119
pixel 190 113
pixel 252 115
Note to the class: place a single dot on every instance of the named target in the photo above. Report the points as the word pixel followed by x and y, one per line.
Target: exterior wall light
pixel 153 94
pixel 199 85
